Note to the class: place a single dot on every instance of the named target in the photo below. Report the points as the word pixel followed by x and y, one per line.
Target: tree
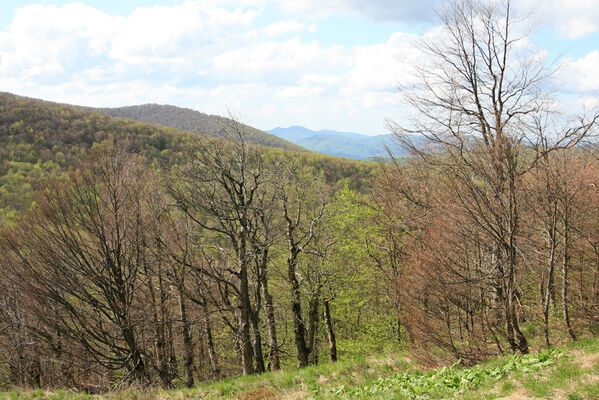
pixel 481 107
pixel 302 210
pixel 219 190
pixel 80 257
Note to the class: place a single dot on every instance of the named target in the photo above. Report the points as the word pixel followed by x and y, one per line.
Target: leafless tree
pixel 302 209
pixel 220 190
pixel 486 119
pixel 80 257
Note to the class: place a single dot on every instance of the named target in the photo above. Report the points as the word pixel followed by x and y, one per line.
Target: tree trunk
pixel 257 343
pixel 161 356
pixel 313 319
pixel 550 289
pixel 271 326
pixel 167 329
pixel 187 342
pixel 330 333
pixel 243 323
pixel 296 311
pixel 513 226
pixel 565 267
pixel 138 372
pixel 215 369
pixel 137 368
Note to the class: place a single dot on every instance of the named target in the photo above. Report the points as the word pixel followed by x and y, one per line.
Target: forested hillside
pixel 134 255
pixel 41 139
pixel 188 120
pixel 152 244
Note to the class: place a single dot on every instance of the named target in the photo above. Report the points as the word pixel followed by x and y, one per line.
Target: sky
pixel 323 64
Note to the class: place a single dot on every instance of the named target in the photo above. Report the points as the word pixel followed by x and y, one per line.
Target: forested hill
pixel 193 121
pixel 40 139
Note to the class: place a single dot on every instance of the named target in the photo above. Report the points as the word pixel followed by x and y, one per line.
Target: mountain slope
pixel 341 144
pixel 41 139
pixel 185 119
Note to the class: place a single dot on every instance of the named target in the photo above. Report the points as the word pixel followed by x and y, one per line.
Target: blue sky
pixel 324 64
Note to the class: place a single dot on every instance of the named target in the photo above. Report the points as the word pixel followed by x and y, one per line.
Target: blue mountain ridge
pixel 341 144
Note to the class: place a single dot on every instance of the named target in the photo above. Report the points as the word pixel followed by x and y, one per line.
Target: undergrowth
pixel 571 372
pixel 445 382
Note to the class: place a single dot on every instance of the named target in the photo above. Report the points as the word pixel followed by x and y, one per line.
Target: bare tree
pixel 219 191
pixel 80 259
pixel 481 107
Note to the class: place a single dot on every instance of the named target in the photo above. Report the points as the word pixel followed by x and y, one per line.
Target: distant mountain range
pixel 341 144
pixel 297 138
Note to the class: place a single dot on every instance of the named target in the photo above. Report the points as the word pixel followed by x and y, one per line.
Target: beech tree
pixel 302 209
pixel 219 190
pixel 80 258
pixel 486 120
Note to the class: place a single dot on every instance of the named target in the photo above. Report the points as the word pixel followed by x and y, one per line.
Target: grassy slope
pixel 570 372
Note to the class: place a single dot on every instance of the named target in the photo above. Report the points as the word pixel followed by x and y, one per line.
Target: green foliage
pixel 42 140
pixel 537 375
pixel 191 121
pixel 444 382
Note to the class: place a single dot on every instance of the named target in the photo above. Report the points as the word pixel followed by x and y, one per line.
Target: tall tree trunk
pixel 296 311
pixel 187 341
pixel 257 343
pixel 503 295
pixel 565 283
pixel 313 319
pixel 244 310
pixel 522 341
pixel 167 329
pixel 330 332
pixel 261 259
pixel 550 273
pixel 214 368
pixel 513 226
pixel 161 356
pixel 271 326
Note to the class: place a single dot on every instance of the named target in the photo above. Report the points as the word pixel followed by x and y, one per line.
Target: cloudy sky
pixel 324 64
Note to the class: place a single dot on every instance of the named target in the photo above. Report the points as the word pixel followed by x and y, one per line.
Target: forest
pixel 134 254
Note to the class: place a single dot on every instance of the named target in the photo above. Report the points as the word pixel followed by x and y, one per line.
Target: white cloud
pixel 581 75
pixel 571 18
pixel 52 42
pixel 282 27
pixel 278 62
pixel 588 102
pixel 383 66
pixel 304 91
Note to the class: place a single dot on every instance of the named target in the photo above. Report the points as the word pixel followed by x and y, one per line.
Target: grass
pixel 569 372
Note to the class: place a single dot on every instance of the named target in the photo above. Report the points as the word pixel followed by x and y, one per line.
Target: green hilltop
pixel 188 120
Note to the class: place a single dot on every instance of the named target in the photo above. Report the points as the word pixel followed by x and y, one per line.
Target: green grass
pixel 571 371
pixel 446 382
